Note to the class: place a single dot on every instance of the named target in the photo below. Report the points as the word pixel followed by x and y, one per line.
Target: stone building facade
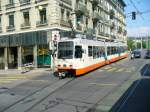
pixel 27 26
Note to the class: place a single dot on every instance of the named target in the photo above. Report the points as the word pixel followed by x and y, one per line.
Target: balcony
pixel 69 2
pixel 37 1
pixel 25 25
pixel 79 27
pixel 81 9
pixel 10 28
pixel 94 2
pixel 89 31
pixel 112 25
pixel 96 16
pixel 105 8
pixel 113 37
pixel 64 23
pixel 9 6
pixel 120 30
pixel 41 23
pixel 0 29
pixel 106 34
pixel 101 33
pixel 24 2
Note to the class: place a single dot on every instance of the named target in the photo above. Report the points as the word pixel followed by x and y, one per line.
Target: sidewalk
pixel 16 71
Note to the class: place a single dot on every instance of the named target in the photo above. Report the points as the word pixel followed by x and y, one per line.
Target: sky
pixel 140 26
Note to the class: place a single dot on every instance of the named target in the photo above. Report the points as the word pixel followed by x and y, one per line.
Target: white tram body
pixel 78 56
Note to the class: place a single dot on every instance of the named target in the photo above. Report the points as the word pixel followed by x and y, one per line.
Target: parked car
pixel 147 54
pixel 136 54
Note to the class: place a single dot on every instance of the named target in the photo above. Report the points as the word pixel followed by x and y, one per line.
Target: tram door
pixel 78 51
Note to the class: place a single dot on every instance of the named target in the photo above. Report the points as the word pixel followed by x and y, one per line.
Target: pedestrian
pixel 132 54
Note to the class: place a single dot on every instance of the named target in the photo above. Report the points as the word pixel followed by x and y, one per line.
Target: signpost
pixel 53 47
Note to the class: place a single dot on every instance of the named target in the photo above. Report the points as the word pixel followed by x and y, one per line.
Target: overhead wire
pixel 138 12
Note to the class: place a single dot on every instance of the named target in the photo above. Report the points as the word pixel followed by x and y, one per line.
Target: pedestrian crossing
pixel 115 69
pixel 10 78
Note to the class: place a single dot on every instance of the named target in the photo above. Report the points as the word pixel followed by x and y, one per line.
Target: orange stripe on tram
pixel 89 68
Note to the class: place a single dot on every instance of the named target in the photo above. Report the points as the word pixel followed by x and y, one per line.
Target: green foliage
pixel 131 44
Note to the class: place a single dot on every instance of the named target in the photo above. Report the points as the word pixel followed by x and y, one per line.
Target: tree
pixel 131 44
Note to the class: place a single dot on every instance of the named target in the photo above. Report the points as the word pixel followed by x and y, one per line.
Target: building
pixel 28 26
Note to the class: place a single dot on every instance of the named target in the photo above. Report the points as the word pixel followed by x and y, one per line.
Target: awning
pixel 24 39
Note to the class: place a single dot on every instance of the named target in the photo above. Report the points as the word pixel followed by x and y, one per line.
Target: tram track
pixel 133 90
pixel 93 107
pixel 23 101
pixel 49 95
pixel 55 102
pixel 17 103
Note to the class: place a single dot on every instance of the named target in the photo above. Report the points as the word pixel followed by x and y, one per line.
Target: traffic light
pixel 133 15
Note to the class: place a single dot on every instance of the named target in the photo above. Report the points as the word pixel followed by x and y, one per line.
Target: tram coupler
pixel 62 75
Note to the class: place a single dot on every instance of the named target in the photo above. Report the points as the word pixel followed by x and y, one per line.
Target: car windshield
pixel 65 50
pixel 148 52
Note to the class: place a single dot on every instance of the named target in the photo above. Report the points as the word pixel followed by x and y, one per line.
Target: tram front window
pixel 65 50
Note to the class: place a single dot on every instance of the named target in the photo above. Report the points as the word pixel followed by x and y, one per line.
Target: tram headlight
pixel 59 65
pixel 71 66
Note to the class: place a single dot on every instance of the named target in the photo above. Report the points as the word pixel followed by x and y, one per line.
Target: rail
pixel 27 67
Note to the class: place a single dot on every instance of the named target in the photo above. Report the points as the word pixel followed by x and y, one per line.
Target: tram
pixel 78 56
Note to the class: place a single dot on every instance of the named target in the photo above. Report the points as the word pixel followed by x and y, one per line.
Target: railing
pixel 81 9
pixel 79 27
pixel 39 1
pixel 69 2
pixel 24 2
pixel 0 29
pixel 9 6
pixel 27 67
pixel 94 2
pixel 41 23
pixel 101 33
pixel 107 34
pixel 96 15
pixel 25 25
pixel 10 28
pixel 64 23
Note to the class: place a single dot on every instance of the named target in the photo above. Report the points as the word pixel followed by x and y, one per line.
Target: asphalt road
pixel 137 97
pixel 46 93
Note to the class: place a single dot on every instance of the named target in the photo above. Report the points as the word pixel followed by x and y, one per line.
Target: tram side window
pixel 108 50
pixel 113 50
pixel 78 52
pixel 97 52
pixel 94 52
pixel 101 52
pixel 90 52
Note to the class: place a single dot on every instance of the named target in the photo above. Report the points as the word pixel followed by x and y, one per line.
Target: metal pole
pixel 141 44
pixel 135 42
pixel 147 43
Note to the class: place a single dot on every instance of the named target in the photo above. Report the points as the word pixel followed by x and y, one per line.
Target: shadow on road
pixel 145 71
pixel 137 97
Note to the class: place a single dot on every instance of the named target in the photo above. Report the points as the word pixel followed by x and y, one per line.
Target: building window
pixel 23 2
pixel 0 6
pixel 11 20
pixel 86 22
pixel 62 14
pixel 26 18
pixel 42 13
pixel 0 21
pixel 68 15
pixel 11 1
